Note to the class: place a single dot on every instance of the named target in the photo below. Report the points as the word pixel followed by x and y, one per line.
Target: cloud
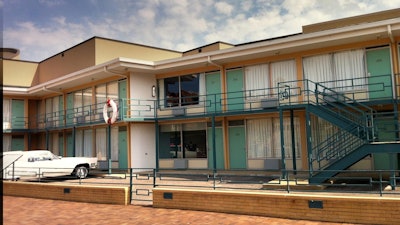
pixel 176 24
pixel 51 3
pixel 224 8
pixel 42 42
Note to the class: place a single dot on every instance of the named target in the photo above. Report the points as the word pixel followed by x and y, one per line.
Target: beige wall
pixel 107 50
pixel 18 73
pixel 68 61
pixel 208 48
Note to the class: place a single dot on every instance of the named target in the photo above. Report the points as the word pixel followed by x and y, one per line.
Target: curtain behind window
pixel 87 143
pixel 259 138
pixel 101 143
pixel 317 69
pixel 264 138
pixel 350 65
pixel 79 143
pixel 283 71
pixel 6 114
pixel 257 81
pixel 6 142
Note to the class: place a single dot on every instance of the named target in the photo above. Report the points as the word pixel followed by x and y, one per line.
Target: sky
pixel 43 28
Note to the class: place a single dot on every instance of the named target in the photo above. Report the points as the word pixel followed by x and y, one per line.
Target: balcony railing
pixel 286 94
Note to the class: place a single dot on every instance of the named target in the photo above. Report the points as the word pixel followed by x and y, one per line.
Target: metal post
pixel 308 135
pixel 130 184
pixel 157 144
pixel 73 141
pixel 214 150
pixel 213 145
pixel 293 141
pixel 282 141
pixel 109 148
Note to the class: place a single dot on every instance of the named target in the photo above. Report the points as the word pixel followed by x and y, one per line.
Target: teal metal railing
pixel 340 97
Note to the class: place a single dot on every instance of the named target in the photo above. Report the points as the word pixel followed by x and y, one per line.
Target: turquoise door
pixel 122 94
pixel 235 89
pixel 379 70
pixel 386 128
pixel 237 147
pixel 122 148
pixel 70 109
pixel 17 143
pixel 213 90
pixel 61 144
pixel 61 111
pixel 17 111
pixel 70 145
pixel 219 148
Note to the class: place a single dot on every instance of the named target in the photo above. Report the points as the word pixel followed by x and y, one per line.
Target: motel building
pixel 323 99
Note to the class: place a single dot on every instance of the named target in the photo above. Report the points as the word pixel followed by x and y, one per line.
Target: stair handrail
pixel 337 144
pixel 366 115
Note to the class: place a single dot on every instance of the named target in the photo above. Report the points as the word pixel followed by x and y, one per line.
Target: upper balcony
pixel 292 94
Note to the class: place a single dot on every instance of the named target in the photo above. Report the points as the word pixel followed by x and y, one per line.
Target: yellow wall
pixel 107 50
pixel 345 209
pixel 77 193
pixel 18 73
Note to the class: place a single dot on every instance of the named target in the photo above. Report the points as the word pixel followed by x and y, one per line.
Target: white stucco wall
pixel 141 86
pixel 143 147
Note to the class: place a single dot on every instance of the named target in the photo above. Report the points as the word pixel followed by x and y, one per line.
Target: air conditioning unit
pixel 272 164
pixel 334 97
pixel 178 111
pixel 269 103
pixel 180 164
pixel 103 165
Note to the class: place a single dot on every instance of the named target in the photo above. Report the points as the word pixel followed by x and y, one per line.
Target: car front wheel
pixel 81 172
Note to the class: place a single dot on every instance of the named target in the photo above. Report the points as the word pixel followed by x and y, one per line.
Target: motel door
pixel 70 144
pixel 237 146
pixel 219 148
pixel 17 110
pixel 122 148
pixel 235 89
pixel 17 143
pixel 379 71
pixel 213 89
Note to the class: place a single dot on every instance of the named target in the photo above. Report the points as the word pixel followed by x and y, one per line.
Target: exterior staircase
pixel 356 135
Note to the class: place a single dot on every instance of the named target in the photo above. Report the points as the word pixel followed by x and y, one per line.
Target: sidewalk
pixel 18 210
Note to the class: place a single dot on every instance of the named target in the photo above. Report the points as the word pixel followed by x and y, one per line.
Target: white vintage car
pixel 43 163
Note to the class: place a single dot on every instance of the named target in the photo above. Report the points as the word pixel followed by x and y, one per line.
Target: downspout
pixel 52 91
pixel 390 34
pixel 113 73
pixel 213 63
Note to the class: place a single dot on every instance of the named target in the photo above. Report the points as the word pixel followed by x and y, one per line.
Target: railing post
pixel 380 183
pixel 130 184
pixel 154 178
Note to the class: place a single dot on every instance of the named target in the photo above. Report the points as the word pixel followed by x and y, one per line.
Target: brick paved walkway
pixel 18 210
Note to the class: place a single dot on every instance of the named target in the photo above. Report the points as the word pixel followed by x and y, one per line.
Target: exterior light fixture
pixel 153 91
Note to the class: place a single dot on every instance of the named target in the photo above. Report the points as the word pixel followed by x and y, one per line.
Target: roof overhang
pixel 291 44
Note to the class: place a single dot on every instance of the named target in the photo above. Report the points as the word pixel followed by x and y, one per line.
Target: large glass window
pixel 181 91
pixel 53 112
pixel 183 141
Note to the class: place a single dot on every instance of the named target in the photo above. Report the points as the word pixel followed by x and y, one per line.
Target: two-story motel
pixel 326 98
